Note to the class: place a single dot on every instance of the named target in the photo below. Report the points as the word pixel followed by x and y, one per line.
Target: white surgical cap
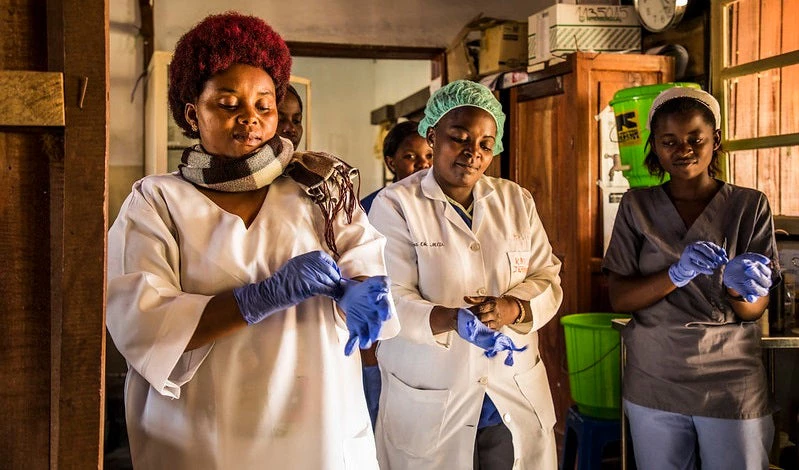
pixel 685 92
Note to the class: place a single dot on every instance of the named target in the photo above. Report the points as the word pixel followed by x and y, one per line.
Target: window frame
pixel 720 72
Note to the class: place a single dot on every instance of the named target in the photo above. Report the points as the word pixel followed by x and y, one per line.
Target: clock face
pixel 658 15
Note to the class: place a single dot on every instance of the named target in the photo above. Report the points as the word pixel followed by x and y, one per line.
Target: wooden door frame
pixel 77 40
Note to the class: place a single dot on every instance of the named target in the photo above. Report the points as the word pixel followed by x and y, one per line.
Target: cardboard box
pixel 563 28
pixel 503 47
pixel 463 52
pixel 460 62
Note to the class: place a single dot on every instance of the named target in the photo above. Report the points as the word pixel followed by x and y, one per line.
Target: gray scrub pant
pixel 671 441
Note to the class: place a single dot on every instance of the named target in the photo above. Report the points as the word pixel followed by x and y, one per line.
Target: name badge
pixel 519 261
pixel 433 244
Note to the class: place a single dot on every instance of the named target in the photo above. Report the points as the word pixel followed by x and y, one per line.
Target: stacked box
pixel 503 47
pixel 564 28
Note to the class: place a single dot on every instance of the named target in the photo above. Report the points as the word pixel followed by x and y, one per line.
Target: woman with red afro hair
pixel 236 282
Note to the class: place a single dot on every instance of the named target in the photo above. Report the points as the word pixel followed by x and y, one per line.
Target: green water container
pixel 593 358
pixel 631 107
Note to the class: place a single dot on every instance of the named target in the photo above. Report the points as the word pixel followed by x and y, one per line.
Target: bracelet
pixel 522 314
pixel 740 298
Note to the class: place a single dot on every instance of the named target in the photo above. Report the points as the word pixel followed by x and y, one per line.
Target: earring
pixel 194 127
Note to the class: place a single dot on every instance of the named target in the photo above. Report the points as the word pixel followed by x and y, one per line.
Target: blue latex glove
pixel 748 274
pixel 697 258
pixel 366 306
pixel 302 277
pixel 474 331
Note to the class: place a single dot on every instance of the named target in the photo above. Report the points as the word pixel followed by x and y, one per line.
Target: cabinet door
pixel 538 163
pixel 596 80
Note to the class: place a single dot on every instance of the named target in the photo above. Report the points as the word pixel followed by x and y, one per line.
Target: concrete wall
pixel 344 92
pixel 406 23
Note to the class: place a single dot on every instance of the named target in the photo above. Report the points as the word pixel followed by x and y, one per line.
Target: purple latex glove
pixel 697 258
pixel 748 274
pixel 302 277
pixel 366 305
pixel 475 332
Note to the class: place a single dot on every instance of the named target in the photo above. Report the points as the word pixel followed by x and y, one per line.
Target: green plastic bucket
pixel 592 353
pixel 631 108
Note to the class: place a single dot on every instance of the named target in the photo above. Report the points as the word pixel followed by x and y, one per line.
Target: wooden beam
pixel 147 30
pixel 78 225
pixel 31 98
pixel 352 51
pixel 413 103
pixel 383 114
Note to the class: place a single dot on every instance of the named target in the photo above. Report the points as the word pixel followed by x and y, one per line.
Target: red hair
pixel 215 44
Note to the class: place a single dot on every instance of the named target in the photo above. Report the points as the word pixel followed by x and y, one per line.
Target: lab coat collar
pixel 430 188
pixel 482 189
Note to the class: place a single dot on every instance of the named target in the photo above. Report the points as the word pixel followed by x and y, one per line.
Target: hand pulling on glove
pixel 698 258
pixel 470 329
pixel 302 277
pixel 366 306
pixel 748 274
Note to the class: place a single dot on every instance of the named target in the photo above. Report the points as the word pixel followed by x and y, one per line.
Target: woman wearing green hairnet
pixel 474 278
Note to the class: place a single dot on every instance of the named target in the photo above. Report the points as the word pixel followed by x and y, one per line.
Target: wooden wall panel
pixel 747 20
pixel 24 254
pixel 790 38
pixel 25 303
pixel 538 165
pixel 744 168
pixel 769 28
pixel 789 182
pixel 789 103
pixel 84 174
pixel 535 152
pixel 768 174
pixel 744 96
pixel 52 239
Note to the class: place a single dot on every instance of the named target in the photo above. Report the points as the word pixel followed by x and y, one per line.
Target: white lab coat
pixel 277 394
pixel 433 386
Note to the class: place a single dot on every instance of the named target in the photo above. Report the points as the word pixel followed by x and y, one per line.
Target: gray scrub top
pixel 689 353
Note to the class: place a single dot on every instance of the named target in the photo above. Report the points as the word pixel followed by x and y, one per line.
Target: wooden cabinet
pixel 554 152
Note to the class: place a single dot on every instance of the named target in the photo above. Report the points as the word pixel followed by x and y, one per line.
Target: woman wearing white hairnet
pixel 474 278
pixel 690 259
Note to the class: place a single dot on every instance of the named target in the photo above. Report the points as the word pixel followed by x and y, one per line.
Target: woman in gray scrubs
pixel 690 259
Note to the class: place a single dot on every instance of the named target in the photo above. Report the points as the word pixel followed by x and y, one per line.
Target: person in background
pixel 404 152
pixel 237 290
pixel 690 260
pixel 474 278
pixel 289 117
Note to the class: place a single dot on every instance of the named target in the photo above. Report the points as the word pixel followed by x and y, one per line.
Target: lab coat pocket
pixel 534 385
pixel 413 417
pixel 518 261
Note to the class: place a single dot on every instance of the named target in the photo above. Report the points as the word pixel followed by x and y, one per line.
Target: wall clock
pixel 660 15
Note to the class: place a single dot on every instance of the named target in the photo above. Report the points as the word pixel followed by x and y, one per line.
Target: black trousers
pixel 493 448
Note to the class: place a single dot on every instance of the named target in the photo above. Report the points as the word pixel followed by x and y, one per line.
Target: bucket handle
pixel 590 366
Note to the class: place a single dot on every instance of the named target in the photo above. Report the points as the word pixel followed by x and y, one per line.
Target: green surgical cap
pixel 463 93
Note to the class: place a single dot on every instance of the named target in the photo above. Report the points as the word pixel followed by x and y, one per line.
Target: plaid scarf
pixel 326 179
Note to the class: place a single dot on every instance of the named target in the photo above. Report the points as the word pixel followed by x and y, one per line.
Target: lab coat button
pixel 481 291
pixel 483 380
pixel 474 246
pixel 506 417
